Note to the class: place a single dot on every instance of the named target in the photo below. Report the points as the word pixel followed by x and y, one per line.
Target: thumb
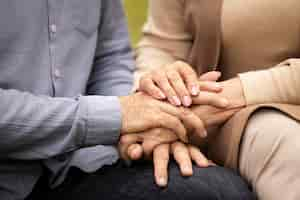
pixel 210 76
pixel 125 142
pixel 135 152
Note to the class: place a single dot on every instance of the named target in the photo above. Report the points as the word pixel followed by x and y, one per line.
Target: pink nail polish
pixel 176 100
pixel 204 134
pixel 187 101
pixel 162 95
pixel 224 102
pixel 195 90
pixel 218 86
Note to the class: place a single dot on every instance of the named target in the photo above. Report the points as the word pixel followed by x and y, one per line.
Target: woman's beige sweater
pixel 256 34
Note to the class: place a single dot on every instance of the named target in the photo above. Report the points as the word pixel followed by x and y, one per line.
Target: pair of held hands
pixel 172 114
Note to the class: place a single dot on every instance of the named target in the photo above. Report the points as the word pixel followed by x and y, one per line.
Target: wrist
pixel 233 91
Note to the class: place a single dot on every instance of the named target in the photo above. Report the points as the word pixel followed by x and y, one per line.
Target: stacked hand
pixel 157 128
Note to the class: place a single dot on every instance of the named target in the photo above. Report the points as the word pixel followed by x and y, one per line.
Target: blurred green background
pixel 136 11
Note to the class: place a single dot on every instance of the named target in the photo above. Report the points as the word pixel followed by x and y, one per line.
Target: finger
pixel 210 86
pixel 172 123
pixel 135 152
pixel 220 118
pixel 148 86
pixel 190 119
pixel 198 157
pixel 178 84
pixel 212 164
pixel 190 78
pixel 212 99
pixel 163 83
pixel 125 142
pixel 156 137
pixel 194 123
pixel 182 157
pixel 161 161
pixel 210 76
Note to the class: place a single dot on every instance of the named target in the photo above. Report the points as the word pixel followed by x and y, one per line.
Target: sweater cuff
pixel 103 120
pixel 258 87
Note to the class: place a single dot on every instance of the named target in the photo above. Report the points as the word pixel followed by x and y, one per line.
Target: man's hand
pixel 140 112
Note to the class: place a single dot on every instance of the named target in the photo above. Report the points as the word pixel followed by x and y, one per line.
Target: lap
pixel 269 156
pixel 137 182
pixel 270 132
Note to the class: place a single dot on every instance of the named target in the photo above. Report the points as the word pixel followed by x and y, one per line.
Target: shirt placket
pixel 53 28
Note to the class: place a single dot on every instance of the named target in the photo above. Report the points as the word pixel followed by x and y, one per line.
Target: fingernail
pixel 187 101
pixel 204 134
pixel 162 95
pixel 195 90
pixel 187 171
pixel 205 163
pixel 162 182
pixel 218 86
pixel 176 101
pixel 224 102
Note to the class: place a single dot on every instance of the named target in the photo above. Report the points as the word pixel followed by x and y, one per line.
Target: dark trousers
pixel 119 182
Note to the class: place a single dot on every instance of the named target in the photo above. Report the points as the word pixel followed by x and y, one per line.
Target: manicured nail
pixel 204 163
pixel 187 170
pixel 195 90
pixel 204 134
pixel 162 182
pixel 176 101
pixel 224 102
pixel 187 101
pixel 161 95
pixel 218 86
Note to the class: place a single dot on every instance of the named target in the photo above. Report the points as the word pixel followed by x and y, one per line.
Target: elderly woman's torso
pixel 258 34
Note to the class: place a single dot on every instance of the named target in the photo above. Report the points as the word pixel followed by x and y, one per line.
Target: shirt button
pixel 57 73
pixel 53 28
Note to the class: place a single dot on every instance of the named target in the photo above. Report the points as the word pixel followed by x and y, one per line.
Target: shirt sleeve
pixel 165 37
pixel 280 84
pixel 39 127
pixel 114 63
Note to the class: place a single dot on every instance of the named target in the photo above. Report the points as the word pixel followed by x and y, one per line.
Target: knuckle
pixel 146 76
pixel 176 122
pixel 157 118
pixel 157 131
pixel 164 157
pixel 180 63
pixel 125 140
pixel 169 91
pixel 162 153
pixel 185 112
pixel 172 74
pixel 174 146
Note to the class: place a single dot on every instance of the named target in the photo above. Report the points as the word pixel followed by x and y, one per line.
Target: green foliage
pixel 136 11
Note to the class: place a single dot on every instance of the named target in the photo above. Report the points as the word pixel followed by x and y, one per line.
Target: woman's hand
pixel 178 83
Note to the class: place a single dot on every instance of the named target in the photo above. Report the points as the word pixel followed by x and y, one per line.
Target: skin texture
pixel 141 112
pixel 159 144
pixel 177 83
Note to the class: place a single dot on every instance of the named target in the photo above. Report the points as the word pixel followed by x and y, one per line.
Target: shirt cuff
pixel 258 87
pixel 103 120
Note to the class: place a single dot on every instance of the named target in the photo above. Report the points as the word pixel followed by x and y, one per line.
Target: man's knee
pixel 215 183
pixel 137 182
